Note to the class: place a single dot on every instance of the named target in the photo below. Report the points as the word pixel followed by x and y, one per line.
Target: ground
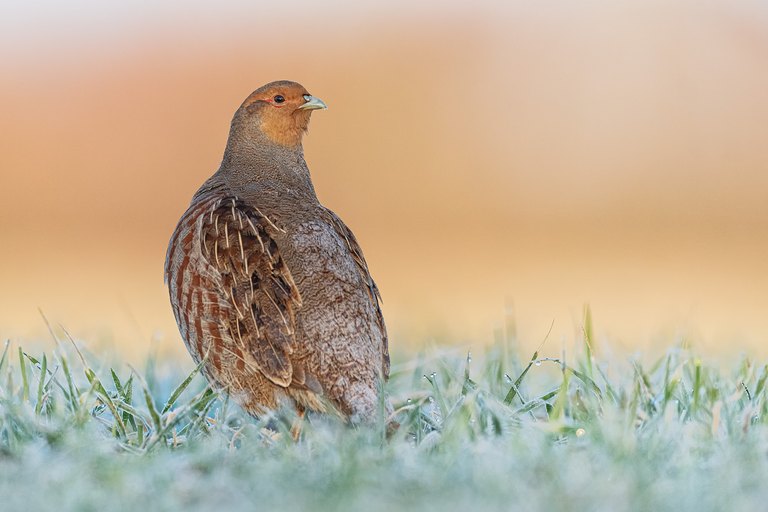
pixel 496 432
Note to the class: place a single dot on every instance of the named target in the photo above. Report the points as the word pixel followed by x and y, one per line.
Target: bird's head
pixel 281 111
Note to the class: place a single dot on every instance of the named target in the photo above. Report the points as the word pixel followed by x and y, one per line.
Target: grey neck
pixel 252 162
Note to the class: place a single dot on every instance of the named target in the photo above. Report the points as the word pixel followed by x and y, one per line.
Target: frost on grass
pixel 496 433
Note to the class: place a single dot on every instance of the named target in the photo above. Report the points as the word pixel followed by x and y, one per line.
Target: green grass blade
pixel 41 385
pixel 760 386
pixel 73 391
pixel 589 338
pixel 181 387
pixel 513 390
pixel 24 380
pixel 154 415
pixel 561 400
pixel 586 380
pixel 107 400
pixel 5 353
pixel 116 380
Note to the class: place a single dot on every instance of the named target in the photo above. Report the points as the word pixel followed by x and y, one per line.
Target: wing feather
pixel 244 259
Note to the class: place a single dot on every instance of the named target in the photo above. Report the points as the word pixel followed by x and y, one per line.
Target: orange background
pixel 541 155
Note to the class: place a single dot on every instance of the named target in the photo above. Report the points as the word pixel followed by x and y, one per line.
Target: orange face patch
pixel 279 115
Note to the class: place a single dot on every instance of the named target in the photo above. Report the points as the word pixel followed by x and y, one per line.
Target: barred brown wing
pixel 231 292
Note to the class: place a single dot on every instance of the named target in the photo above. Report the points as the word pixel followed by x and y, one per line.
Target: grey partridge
pixel 267 285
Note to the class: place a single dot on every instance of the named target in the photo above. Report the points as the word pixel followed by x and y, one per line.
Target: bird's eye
pixel 279 98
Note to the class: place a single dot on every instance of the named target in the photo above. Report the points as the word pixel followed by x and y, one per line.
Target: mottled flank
pixel 270 287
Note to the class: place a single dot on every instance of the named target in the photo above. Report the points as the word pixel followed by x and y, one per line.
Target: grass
pixel 493 433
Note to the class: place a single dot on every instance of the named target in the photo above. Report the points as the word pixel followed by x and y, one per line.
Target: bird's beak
pixel 312 103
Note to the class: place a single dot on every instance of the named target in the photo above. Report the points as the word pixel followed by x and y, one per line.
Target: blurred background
pixel 502 163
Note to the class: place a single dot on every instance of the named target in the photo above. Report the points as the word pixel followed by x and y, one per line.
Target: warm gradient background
pixel 540 154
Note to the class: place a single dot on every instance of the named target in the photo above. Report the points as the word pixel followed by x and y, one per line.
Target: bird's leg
pixel 297 424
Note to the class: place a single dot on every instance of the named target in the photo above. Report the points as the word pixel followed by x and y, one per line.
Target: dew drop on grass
pixel 580 432
pixel 537 363
pixel 507 378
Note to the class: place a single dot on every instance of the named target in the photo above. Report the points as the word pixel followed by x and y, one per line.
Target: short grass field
pixel 498 431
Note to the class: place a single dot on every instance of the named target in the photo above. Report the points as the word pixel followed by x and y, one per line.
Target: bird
pixel 270 289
